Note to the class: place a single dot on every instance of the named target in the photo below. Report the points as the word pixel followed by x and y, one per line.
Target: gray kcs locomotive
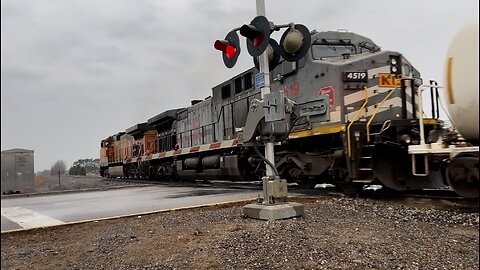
pixel 351 110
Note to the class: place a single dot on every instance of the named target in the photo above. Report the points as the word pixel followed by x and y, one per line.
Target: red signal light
pixel 231 51
pixel 257 41
pixel 230 48
pixel 224 46
pixel 252 33
pixel 257 34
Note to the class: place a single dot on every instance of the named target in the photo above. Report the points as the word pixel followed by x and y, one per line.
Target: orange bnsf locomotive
pixel 351 111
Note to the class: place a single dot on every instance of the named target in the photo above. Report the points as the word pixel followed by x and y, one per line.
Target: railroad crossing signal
pixel 257 34
pixel 230 48
pixel 273 54
pixel 294 43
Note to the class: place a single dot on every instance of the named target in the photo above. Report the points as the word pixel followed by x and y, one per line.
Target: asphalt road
pixel 52 209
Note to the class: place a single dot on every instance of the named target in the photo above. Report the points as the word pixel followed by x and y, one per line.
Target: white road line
pixel 29 219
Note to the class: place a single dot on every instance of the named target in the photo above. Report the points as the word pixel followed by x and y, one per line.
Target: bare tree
pixel 58 166
pixel 43 173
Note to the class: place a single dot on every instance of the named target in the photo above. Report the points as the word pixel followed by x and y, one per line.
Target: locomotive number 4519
pixel 355 76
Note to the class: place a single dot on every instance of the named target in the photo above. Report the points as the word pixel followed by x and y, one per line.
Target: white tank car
pixel 461 81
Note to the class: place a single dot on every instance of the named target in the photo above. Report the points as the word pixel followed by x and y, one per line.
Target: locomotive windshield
pixel 320 51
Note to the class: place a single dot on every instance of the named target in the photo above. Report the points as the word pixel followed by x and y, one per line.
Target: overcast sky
pixel 74 72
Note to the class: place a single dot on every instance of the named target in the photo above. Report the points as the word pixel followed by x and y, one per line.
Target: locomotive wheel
pixel 305 184
pixel 350 189
pixel 161 172
pixel 292 174
pixel 462 175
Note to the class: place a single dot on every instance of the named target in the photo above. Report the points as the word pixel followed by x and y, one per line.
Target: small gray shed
pixel 17 171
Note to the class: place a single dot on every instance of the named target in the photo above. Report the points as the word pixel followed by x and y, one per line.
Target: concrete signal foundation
pixel 274 211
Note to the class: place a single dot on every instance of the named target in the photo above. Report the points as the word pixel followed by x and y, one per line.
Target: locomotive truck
pixel 351 112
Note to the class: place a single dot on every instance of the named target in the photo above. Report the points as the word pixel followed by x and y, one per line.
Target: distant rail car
pixel 355 112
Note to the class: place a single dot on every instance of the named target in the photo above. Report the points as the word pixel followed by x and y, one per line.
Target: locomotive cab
pixel 372 102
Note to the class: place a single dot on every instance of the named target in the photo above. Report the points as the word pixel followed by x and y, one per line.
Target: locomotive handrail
pixel 434 97
pixel 355 119
pixel 376 111
pixel 202 128
pixel 422 144
pixel 420 101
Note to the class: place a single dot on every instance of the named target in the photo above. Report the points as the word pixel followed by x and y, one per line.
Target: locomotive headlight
pixel 406 139
pixel 395 64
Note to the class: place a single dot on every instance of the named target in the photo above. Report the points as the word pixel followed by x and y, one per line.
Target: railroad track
pixel 431 198
pixel 436 198
pixel 190 183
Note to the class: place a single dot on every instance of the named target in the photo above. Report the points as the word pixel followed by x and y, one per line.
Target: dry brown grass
pixel 40 181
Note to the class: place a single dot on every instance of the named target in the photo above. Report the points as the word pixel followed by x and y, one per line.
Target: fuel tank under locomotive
pixel 213 167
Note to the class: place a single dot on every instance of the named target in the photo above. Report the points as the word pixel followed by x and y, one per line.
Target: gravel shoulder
pixel 335 233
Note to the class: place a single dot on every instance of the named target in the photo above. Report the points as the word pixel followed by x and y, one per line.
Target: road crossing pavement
pixel 56 209
pixel 27 218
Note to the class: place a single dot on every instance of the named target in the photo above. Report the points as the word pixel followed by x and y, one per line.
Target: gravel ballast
pixel 335 233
